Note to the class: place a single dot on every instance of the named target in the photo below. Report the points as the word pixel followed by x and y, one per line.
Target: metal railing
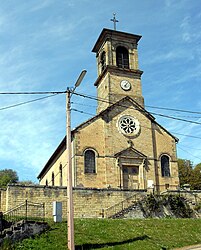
pixel 26 211
pixel 117 208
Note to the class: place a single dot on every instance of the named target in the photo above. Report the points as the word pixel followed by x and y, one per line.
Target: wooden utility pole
pixel 70 209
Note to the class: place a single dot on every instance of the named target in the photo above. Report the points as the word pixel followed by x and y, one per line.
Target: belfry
pixel 122 147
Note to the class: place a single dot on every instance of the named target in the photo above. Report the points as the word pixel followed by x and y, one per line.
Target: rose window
pixel 128 125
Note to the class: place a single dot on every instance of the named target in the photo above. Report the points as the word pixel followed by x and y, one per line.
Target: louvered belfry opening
pixel 122 57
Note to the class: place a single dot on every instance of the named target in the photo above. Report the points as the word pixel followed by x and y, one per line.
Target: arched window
pixel 103 61
pixel 122 57
pixel 89 161
pixel 61 174
pixel 165 166
pixel 52 178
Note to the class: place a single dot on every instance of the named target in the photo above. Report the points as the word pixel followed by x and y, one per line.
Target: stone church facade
pixel 122 147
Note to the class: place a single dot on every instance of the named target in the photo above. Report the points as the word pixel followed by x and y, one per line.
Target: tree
pixel 185 168
pixel 6 176
pixel 197 177
pixel 188 174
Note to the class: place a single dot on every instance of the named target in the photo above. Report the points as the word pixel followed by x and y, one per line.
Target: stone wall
pixel 2 199
pixel 190 195
pixel 88 203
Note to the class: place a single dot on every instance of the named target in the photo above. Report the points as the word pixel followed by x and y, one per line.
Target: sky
pixel 44 45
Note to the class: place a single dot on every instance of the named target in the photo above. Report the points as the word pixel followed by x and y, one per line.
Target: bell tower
pixel 117 64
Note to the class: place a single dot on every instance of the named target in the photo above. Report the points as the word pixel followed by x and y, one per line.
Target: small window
pixel 122 57
pixel 134 170
pixel 165 166
pixel 61 174
pixel 103 61
pixel 52 179
pixel 125 170
pixel 46 183
pixel 89 162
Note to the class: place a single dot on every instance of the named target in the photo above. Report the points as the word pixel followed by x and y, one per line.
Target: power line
pixel 86 113
pixel 198 149
pixel 94 98
pixel 97 99
pixel 92 106
pixel 189 153
pixel 82 104
pixel 162 115
pixel 192 136
pixel 173 109
pixel 104 100
pixel 155 107
pixel 33 93
pixel 27 102
pixel 82 112
pixel 176 118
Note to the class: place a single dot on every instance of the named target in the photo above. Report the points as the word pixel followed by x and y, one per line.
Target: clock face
pixel 125 85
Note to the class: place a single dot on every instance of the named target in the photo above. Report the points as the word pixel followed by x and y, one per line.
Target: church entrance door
pixel 130 177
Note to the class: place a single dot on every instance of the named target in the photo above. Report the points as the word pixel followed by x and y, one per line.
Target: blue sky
pixel 44 45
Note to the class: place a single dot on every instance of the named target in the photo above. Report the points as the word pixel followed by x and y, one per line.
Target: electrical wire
pixel 33 93
pixel 172 109
pixel 54 93
pixel 82 112
pixel 157 114
pixel 198 149
pixel 192 136
pixel 27 102
pixel 175 118
pixel 172 132
pixel 102 100
pixel 189 153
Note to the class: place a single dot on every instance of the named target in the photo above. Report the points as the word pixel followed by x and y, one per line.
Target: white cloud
pixel 43 47
pixel 27 133
pixel 41 5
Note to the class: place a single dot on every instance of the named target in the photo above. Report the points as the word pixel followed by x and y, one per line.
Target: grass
pixel 142 234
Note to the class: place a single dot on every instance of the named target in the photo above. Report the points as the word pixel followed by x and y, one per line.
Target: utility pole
pixel 70 209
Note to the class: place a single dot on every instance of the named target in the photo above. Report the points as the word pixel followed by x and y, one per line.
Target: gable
pixel 118 107
pixel 130 156
pixel 130 152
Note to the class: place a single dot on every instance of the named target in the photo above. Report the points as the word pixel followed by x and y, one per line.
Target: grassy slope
pixel 120 234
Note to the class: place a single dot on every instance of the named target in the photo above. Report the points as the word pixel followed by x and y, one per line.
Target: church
pixel 122 147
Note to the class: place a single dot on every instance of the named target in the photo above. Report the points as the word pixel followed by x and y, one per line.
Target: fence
pixel 26 211
pixel 115 209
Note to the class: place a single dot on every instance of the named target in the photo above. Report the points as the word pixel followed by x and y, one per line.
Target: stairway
pixel 125 208
pixel 133 211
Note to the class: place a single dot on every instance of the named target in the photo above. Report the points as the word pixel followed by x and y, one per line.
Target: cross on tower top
pixel 114 20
